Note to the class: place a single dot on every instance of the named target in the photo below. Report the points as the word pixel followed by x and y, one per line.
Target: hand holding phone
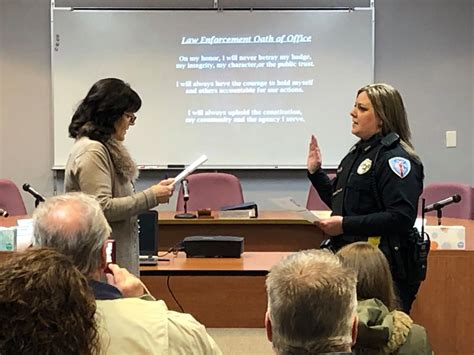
pixel 110 255
pixel 128 284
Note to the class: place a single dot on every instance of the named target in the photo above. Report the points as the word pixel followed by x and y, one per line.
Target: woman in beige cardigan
pixel 100 165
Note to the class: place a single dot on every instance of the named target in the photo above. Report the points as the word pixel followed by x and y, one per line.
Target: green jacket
pixel 383 332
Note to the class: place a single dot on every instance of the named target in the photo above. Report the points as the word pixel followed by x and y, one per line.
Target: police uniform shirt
pixel 395 176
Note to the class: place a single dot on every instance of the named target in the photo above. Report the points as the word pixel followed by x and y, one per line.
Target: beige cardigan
pixel 90 169
pixel 136 326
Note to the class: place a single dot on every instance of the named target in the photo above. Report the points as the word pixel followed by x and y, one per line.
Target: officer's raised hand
pixel 331 226
pixel 314 156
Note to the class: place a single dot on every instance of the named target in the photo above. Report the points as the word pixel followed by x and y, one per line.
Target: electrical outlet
pixel 450 139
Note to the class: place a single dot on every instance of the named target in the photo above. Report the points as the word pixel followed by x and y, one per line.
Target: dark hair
pixel 46 306
pixel 105 103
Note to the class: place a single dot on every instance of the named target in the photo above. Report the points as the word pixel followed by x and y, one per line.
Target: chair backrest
pixel 314 202
pixel 211 190
pixel 439 191
pixel 10 198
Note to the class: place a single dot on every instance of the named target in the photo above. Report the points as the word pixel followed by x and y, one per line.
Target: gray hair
pixel 74 225
pixel 312 303
pixel 389 108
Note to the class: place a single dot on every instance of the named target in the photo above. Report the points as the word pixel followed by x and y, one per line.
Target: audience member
pixel 75 225
pixel 382 328
pixel 311 305
pixel 46 306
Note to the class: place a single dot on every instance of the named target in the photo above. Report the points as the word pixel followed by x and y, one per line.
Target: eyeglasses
pixel 132 117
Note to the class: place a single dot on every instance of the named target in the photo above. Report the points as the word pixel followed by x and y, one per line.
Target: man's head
pixel 46 306
pixel 311 304
pixel 75 225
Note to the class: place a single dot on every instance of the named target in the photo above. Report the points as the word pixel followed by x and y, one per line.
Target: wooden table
pixel 445 302
pixel 219 292
pixel 270 231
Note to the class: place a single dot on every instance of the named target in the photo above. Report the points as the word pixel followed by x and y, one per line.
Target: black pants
pixel 407 291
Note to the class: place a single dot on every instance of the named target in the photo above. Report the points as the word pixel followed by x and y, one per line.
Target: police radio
pixel 422 247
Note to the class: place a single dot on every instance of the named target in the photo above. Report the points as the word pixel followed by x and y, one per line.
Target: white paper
pixel 24 234
pixel 25 222
pixel 287 203
pixel 193 166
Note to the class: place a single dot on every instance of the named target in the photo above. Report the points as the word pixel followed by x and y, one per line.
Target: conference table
pixel 223 292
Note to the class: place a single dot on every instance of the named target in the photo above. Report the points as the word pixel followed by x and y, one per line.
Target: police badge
pixel 364 166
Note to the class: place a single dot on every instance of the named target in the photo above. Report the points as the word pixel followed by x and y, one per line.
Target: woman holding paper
pixel 374 196
pixel 100 165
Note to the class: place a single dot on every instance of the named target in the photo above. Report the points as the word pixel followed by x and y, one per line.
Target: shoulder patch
pixel 400 166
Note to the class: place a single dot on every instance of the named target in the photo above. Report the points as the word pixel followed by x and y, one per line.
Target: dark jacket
pixel 352 194
pixel 376 190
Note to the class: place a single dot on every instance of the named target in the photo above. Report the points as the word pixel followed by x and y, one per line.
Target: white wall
pixel 26 94
pixel 425 48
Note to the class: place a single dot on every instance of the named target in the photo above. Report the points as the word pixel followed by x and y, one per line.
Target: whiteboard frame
pixel 217 9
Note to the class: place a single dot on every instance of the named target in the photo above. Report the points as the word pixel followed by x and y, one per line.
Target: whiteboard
pixel 246 88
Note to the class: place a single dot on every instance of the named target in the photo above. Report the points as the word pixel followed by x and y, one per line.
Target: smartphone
pixel 110 254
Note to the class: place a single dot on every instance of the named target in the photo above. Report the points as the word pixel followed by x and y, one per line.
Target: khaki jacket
pixel 391 332
pixel 135 326
pixel 90 169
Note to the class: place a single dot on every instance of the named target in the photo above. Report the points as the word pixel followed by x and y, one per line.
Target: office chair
pixel 211 190
pixel 10 198
pixel 439 191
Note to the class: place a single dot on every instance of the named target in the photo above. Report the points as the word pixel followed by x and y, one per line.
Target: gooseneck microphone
pixel 443 203
pixel 184 183
pixel 185 190
pixel 3 213
pixel 38 197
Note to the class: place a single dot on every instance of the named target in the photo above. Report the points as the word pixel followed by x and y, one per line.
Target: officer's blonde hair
pixel 389 108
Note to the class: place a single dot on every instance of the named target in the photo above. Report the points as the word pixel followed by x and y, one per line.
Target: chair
pixel 314 202
pixel 10 198
pixel 439 191
pixel 211 190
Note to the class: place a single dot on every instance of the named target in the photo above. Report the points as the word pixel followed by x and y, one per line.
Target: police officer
pixel 374 196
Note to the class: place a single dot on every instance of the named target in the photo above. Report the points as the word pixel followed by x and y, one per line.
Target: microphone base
pixel 185 215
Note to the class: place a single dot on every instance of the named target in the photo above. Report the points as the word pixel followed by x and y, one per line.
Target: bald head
pixel 73 224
